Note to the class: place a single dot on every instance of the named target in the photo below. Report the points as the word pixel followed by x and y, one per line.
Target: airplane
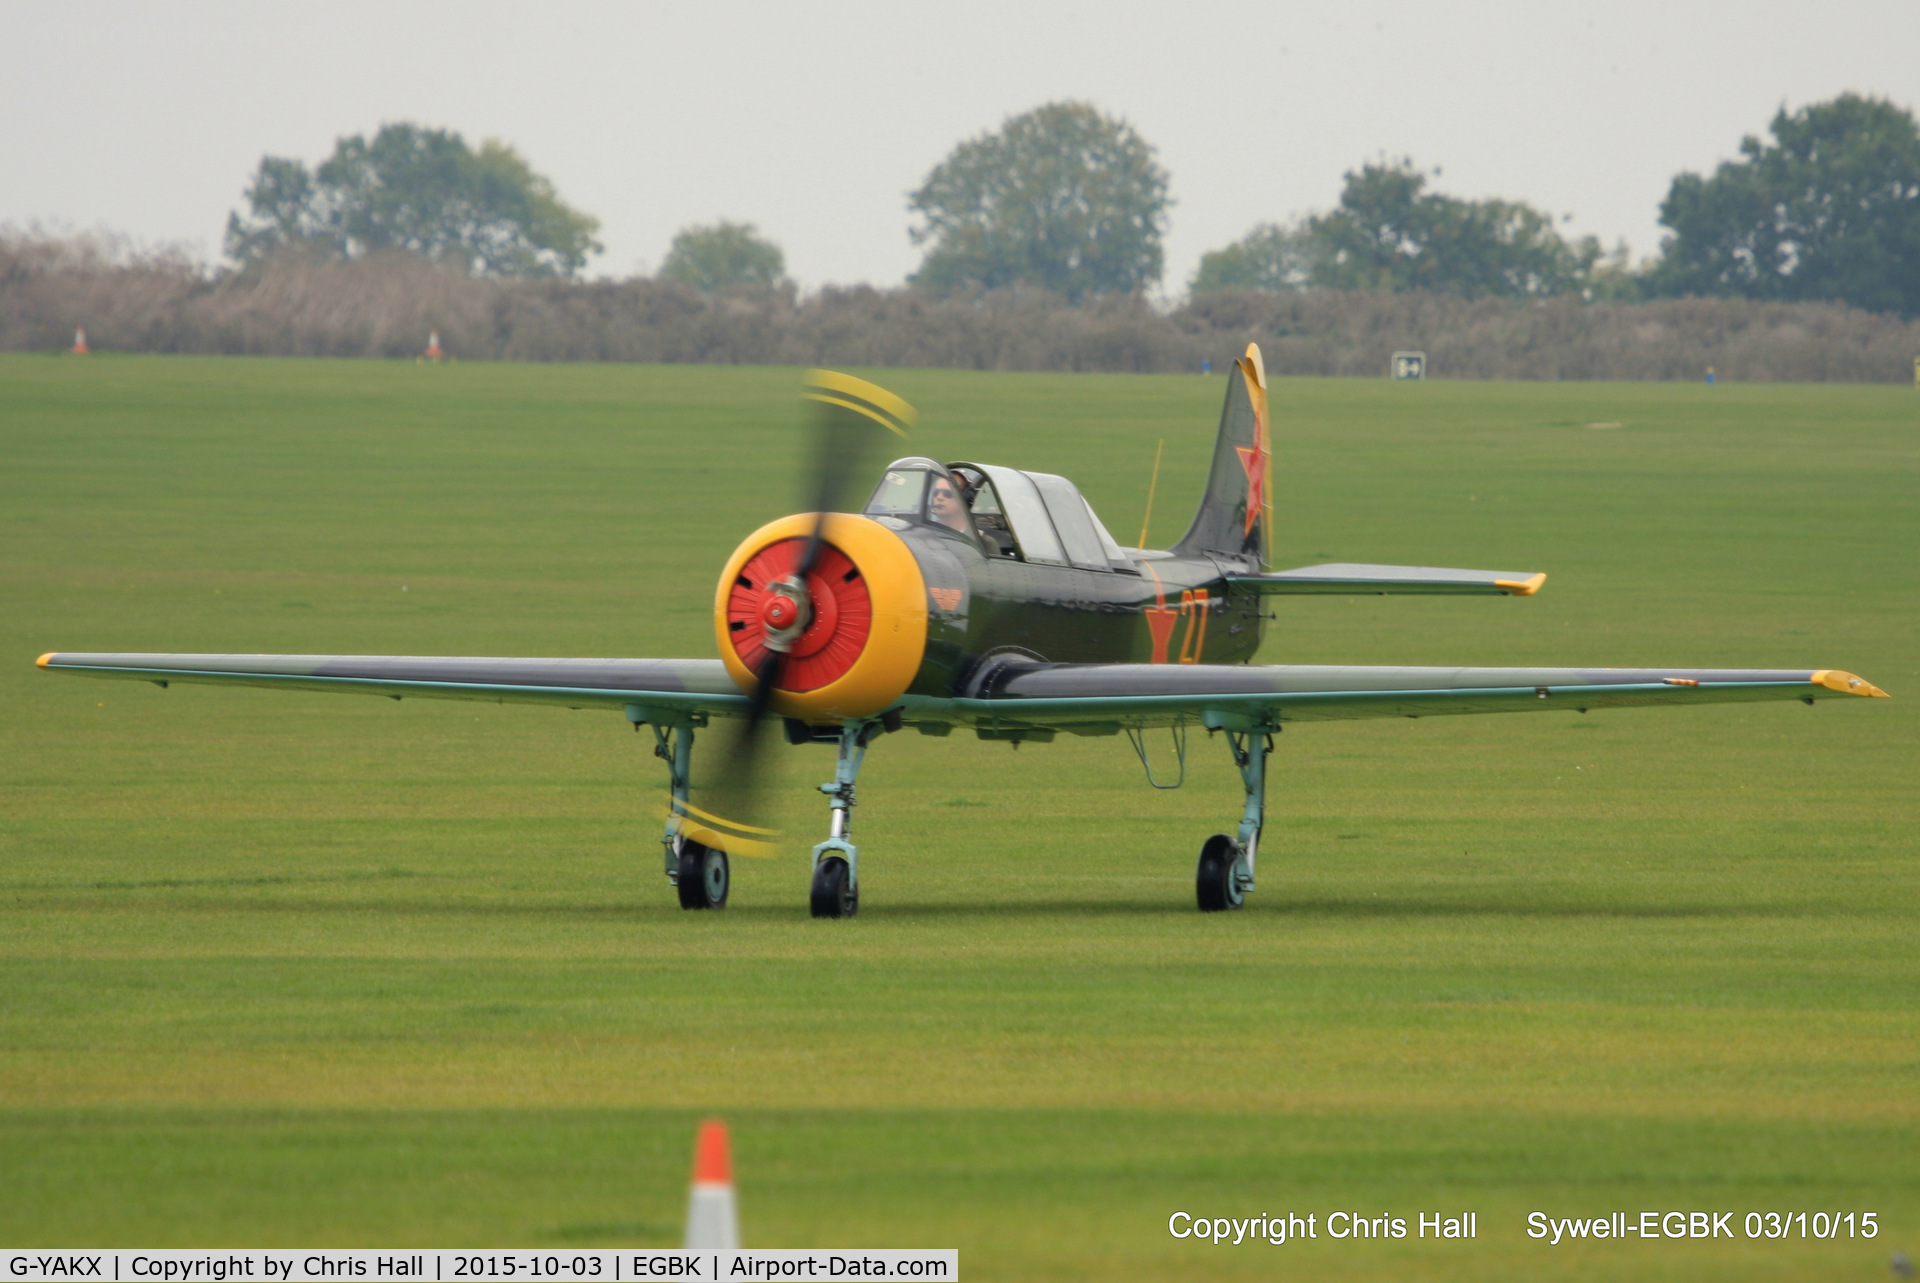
pixel 988 598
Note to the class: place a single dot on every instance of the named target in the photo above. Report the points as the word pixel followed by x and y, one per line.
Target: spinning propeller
pixel 788 605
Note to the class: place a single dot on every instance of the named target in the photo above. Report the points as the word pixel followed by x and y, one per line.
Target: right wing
pixel 661 690
pixel 1103 698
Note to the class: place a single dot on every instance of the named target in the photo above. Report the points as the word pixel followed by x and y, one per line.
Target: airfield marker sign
pixel 712 1219
pixel 1409 365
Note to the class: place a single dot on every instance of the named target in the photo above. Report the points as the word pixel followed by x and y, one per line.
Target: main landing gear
pixel 1225 872
pixel 697 870
pixel 695 840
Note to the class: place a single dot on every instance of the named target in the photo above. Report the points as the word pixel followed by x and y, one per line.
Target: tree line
pixel 1070 200
pixel 384 305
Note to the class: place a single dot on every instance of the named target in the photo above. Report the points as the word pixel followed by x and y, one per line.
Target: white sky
pixel 815 120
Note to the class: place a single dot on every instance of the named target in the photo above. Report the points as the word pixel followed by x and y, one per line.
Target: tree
pixel 1270 257
pixel 1829 209
pixel 1062 197
pixel 286 212
pixel 724 255
pixel 422 190
pixel 1390 233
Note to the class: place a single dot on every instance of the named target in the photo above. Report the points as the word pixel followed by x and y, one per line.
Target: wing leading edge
pixel 1094 697
pixel 662 688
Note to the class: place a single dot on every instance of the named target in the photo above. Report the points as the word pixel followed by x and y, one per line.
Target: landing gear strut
pixel 700 873
pixel 1225 872
pixel 836 861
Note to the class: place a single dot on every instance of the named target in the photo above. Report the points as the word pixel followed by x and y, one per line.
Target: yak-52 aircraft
pixel 989 598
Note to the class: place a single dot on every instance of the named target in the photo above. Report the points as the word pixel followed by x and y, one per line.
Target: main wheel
pixel 833 894
pixel 704 877
pixel 1216 882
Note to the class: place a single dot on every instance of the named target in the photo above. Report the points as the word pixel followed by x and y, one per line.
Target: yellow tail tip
pixel 1847 684
pixel 1522 587
pixel 47 658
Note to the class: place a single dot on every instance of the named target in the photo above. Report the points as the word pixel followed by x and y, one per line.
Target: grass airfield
pixel 290 969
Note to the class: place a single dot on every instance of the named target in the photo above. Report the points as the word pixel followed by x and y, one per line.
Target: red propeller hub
pixel 779 612
pixel 768 606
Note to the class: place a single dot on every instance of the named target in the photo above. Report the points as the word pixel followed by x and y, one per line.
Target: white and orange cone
pixel 433 346
pixel 80 341
pixel 712 1219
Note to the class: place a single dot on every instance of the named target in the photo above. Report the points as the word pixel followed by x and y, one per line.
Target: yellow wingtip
pixel 46 659
pixel 1847 684
pixel 1522 587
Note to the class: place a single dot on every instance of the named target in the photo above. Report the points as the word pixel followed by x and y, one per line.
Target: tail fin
pixel 1234 514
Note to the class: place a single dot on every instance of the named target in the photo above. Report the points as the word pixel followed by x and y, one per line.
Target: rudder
pixel 1234 514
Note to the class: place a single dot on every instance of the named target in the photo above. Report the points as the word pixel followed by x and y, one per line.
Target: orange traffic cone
pixel 433 346
pixel 80 341
pixel 712 1219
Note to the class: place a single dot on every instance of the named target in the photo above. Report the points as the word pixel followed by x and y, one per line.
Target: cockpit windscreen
pixel 901 493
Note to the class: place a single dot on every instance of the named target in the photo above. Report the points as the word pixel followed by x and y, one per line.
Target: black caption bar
pixel 445 1265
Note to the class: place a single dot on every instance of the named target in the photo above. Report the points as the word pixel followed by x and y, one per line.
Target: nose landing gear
pixel 836 861
pixel 696 860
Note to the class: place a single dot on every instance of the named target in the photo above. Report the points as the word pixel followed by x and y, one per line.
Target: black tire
pixel 1213 881
pixel 832 897
pixel 704 877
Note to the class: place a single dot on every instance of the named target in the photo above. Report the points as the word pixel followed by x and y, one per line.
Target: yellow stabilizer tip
pixel 45 659
pixel 1847 684
pixel 1522 587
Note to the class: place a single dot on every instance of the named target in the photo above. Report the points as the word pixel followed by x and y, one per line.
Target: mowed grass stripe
pixel 290 968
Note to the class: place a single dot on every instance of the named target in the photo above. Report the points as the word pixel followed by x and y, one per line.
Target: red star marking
pixel 1255 462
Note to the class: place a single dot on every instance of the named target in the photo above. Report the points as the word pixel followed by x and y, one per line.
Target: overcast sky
pixel 814 121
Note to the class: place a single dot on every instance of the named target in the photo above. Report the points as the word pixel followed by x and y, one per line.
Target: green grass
pixel 299 969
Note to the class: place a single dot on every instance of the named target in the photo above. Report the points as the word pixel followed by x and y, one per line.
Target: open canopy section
pixel 1038 517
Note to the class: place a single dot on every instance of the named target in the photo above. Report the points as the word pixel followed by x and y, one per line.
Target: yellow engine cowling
pixel 869 627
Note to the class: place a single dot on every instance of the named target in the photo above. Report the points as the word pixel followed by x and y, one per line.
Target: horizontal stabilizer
pixel 1350 577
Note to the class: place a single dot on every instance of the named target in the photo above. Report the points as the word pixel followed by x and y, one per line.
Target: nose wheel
pixel 833 895
pixel 836 861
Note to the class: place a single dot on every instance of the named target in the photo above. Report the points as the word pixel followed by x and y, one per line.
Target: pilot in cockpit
pixel 910 483
pixel 948 506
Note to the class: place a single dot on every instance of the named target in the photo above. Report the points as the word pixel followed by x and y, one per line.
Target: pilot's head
pixel 947 505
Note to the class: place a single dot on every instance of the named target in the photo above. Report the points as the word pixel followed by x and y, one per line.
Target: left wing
pixel 1093 698
pixel 662 689
pixel 1353 577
